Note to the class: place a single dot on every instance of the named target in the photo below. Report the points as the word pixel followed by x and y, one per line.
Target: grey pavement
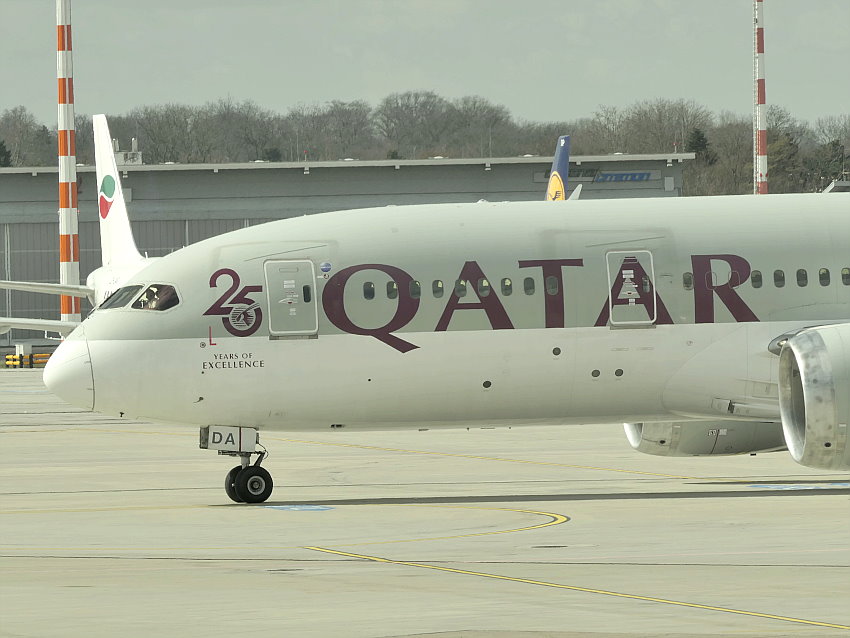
pixel 111 527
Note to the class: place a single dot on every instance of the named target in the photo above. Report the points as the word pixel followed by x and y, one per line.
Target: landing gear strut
pixel 245 483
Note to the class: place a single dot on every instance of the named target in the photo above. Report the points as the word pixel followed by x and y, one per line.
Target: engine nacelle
pixel 705 438
pixel 814 396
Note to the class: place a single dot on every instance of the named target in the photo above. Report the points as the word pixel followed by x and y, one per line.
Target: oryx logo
pixel 105 198
pixel 240 315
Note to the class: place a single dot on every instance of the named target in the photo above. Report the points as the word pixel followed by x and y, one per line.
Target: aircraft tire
pixel 253 484
pixel 230 484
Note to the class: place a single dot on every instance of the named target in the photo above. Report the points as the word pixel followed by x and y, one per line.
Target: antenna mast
pixel 759 107
pixel 69 239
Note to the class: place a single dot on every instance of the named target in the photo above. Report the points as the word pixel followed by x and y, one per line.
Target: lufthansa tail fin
pixel 116 237
pixel 557 188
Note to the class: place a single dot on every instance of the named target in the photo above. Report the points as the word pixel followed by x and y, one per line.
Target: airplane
pixel 120 257
pixel 707 325
pixel 556 188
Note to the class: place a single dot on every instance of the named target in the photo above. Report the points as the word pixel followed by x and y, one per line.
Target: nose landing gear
pixel 249 484
pixel 245 483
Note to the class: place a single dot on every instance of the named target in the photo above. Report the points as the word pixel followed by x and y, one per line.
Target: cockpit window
pixel 157 297
pixel 120 297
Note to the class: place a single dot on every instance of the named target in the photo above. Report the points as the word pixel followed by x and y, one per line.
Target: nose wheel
pixel 245 483
pixel 249 484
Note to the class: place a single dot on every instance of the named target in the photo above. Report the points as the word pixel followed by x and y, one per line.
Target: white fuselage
pixel 575 312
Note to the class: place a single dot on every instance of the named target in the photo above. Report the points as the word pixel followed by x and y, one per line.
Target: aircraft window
pixel 802 277
pixel 528 285
pixel 483 287
pixel 779 278
pixel 644 280
pixel 415 289
pixel 755 278
pixel 437 288
pixel 845 276
pixel 551 285
pixel 120 297
pixel 460 288
pixel 823 276
pixel 507 286
pixel 157 297
pixel 308 294
pixel 368 290
pixel 392 290
pixel 688 281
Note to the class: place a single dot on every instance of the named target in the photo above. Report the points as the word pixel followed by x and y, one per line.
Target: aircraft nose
pixel 68 373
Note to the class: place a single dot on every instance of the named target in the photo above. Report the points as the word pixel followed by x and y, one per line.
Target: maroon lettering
pixel 489 303
pixel 243 317
pixel 219 308
pixel 645 296
pixel 333 302
pixel 705 288
pixel 554 304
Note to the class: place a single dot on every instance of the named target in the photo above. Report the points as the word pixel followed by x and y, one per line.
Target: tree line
pixel 802 157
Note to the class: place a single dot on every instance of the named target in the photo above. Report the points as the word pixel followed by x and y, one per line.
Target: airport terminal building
pixel 174 205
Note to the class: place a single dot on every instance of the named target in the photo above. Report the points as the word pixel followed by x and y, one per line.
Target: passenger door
pixel 291 291
pixel 631 288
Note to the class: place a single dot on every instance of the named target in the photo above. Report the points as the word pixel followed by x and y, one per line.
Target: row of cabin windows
pixel 757 280
pixel 551 284
pixel 461 287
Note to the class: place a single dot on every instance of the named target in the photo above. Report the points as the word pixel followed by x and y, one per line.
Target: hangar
pixel 173 205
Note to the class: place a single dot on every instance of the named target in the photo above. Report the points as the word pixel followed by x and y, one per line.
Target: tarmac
pixel 110 527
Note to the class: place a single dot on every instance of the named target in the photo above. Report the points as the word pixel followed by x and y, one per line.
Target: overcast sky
pixel 543 59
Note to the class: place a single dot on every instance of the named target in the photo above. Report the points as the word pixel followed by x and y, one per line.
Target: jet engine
pixel 705 438
pixel 814 396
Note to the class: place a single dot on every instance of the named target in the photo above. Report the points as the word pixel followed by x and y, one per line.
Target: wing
pixel 51 289
pixel 47 325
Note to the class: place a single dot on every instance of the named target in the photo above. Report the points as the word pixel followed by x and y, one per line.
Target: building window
pixel 528 285
pixel 755 278
pixel 779 278
pixel 802 277
pixel 507 287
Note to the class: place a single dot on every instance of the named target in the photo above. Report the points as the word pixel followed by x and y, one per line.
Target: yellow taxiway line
pixel 587 590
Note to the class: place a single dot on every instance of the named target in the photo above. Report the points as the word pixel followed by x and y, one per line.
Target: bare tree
pixel 605 132
pixel 29 142
pixel 414 123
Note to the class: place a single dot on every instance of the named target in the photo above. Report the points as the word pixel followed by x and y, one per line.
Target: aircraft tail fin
pixel 116 236
pixel 557 188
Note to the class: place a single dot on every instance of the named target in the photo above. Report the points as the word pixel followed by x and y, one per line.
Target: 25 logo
pixel 240 315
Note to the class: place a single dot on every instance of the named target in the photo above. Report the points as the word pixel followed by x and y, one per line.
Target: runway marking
pixel 482 458
pixel 588 590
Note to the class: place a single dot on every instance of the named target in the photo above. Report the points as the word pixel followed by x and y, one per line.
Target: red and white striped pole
pixel 760 109
pixel 69 239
